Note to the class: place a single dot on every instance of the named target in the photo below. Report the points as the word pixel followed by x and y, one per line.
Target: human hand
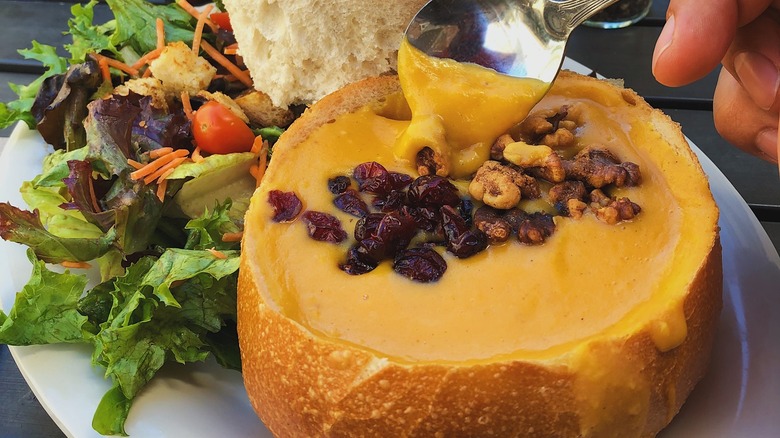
pixel 743 35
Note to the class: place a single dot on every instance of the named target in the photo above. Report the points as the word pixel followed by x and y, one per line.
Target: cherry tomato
pixel 222 19
pixel 218 130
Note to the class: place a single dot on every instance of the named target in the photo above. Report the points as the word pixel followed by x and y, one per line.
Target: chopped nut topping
pixel 535 228
pixel 541 161
pixel 563 193
pixel 612 210
pixel 526 155
pixel 497 150
pixel 430 163
pixel 500 186
pixel 552 128
pixel 598 167
pixel 489 220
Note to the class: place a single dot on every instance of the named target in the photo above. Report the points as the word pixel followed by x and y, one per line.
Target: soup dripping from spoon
pixel 519 38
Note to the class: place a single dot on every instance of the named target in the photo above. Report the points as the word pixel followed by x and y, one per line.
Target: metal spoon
pixel 521 38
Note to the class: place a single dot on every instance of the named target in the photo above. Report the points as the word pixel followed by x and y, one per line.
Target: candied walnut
pixel 611 210
pixel 490 221
pixel 598 167
pixel 497 150
pixel 554 128
pixel 560 139
pixel 576 208
pixel 562 195
pixel 535 228
pixel 499 186
pixel 540 161
pixel 430 163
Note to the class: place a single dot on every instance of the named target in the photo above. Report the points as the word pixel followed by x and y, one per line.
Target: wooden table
pixel 623 53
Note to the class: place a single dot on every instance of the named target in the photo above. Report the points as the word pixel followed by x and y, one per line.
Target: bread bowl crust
pixel 302 384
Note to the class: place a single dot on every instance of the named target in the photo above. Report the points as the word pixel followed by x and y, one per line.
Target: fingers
pixel 754 59
pixel 697 35
pixel 694 39
pixel 743 123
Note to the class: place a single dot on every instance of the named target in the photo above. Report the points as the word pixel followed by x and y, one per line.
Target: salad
pixel 159 141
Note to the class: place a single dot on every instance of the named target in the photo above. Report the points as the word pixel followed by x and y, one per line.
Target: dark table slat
pixel 21 414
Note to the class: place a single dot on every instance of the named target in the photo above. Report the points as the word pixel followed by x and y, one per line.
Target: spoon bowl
pixel 520 38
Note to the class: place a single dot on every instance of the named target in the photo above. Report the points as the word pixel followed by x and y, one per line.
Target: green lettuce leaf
pixel 181 264
pixel 206 231
pixel 45 311
pixel 135 24
pixel 88 37
pixel 111 413
pixel 178 307
pixel 20 109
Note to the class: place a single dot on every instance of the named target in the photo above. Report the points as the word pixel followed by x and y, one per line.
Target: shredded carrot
pixel 184 4
pixel 253 170
pixel 257 145
pixel 149 57
pixel 135 164
pixel 162 170
pixel 75 265
pixel 157 153
pixel 232 237
pixel 231 49
pixel 152 167
pixel 119 65
pixel 217 253
pixel 161 187
pixel 167 172
pixel 242 75
pixel 199 28
pixel 105 73
pixel 186 104
pixel 196 156
pixel 147 73
pixel 160 26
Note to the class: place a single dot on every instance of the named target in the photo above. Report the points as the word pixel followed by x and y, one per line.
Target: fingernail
pixel 664 39
pixel 759 75
pixel 766 141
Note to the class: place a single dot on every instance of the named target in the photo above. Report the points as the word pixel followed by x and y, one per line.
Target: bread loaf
pixel 608 328
pixel 300 50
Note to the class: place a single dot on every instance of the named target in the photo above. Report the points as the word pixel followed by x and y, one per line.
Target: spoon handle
pixel 562 17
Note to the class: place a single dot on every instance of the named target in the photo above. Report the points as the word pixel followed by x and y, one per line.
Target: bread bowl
pixel 603 330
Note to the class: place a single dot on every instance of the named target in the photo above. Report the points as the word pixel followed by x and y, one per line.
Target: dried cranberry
pixel 426 218
pixel 350 202
pixel 372 177
pixel 466 210
pixel 396 230
pixel 433 190
pixel 339 184
pixel 400 181
pixel 461 240
pixel 468 244
pixel 324 227
pixel 372 249
pixel 420 264
pixel 286 205
pixel 393 201
pixel 367 225
pixel 357 264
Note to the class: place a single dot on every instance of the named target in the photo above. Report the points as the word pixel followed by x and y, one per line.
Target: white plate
pixel 738 398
